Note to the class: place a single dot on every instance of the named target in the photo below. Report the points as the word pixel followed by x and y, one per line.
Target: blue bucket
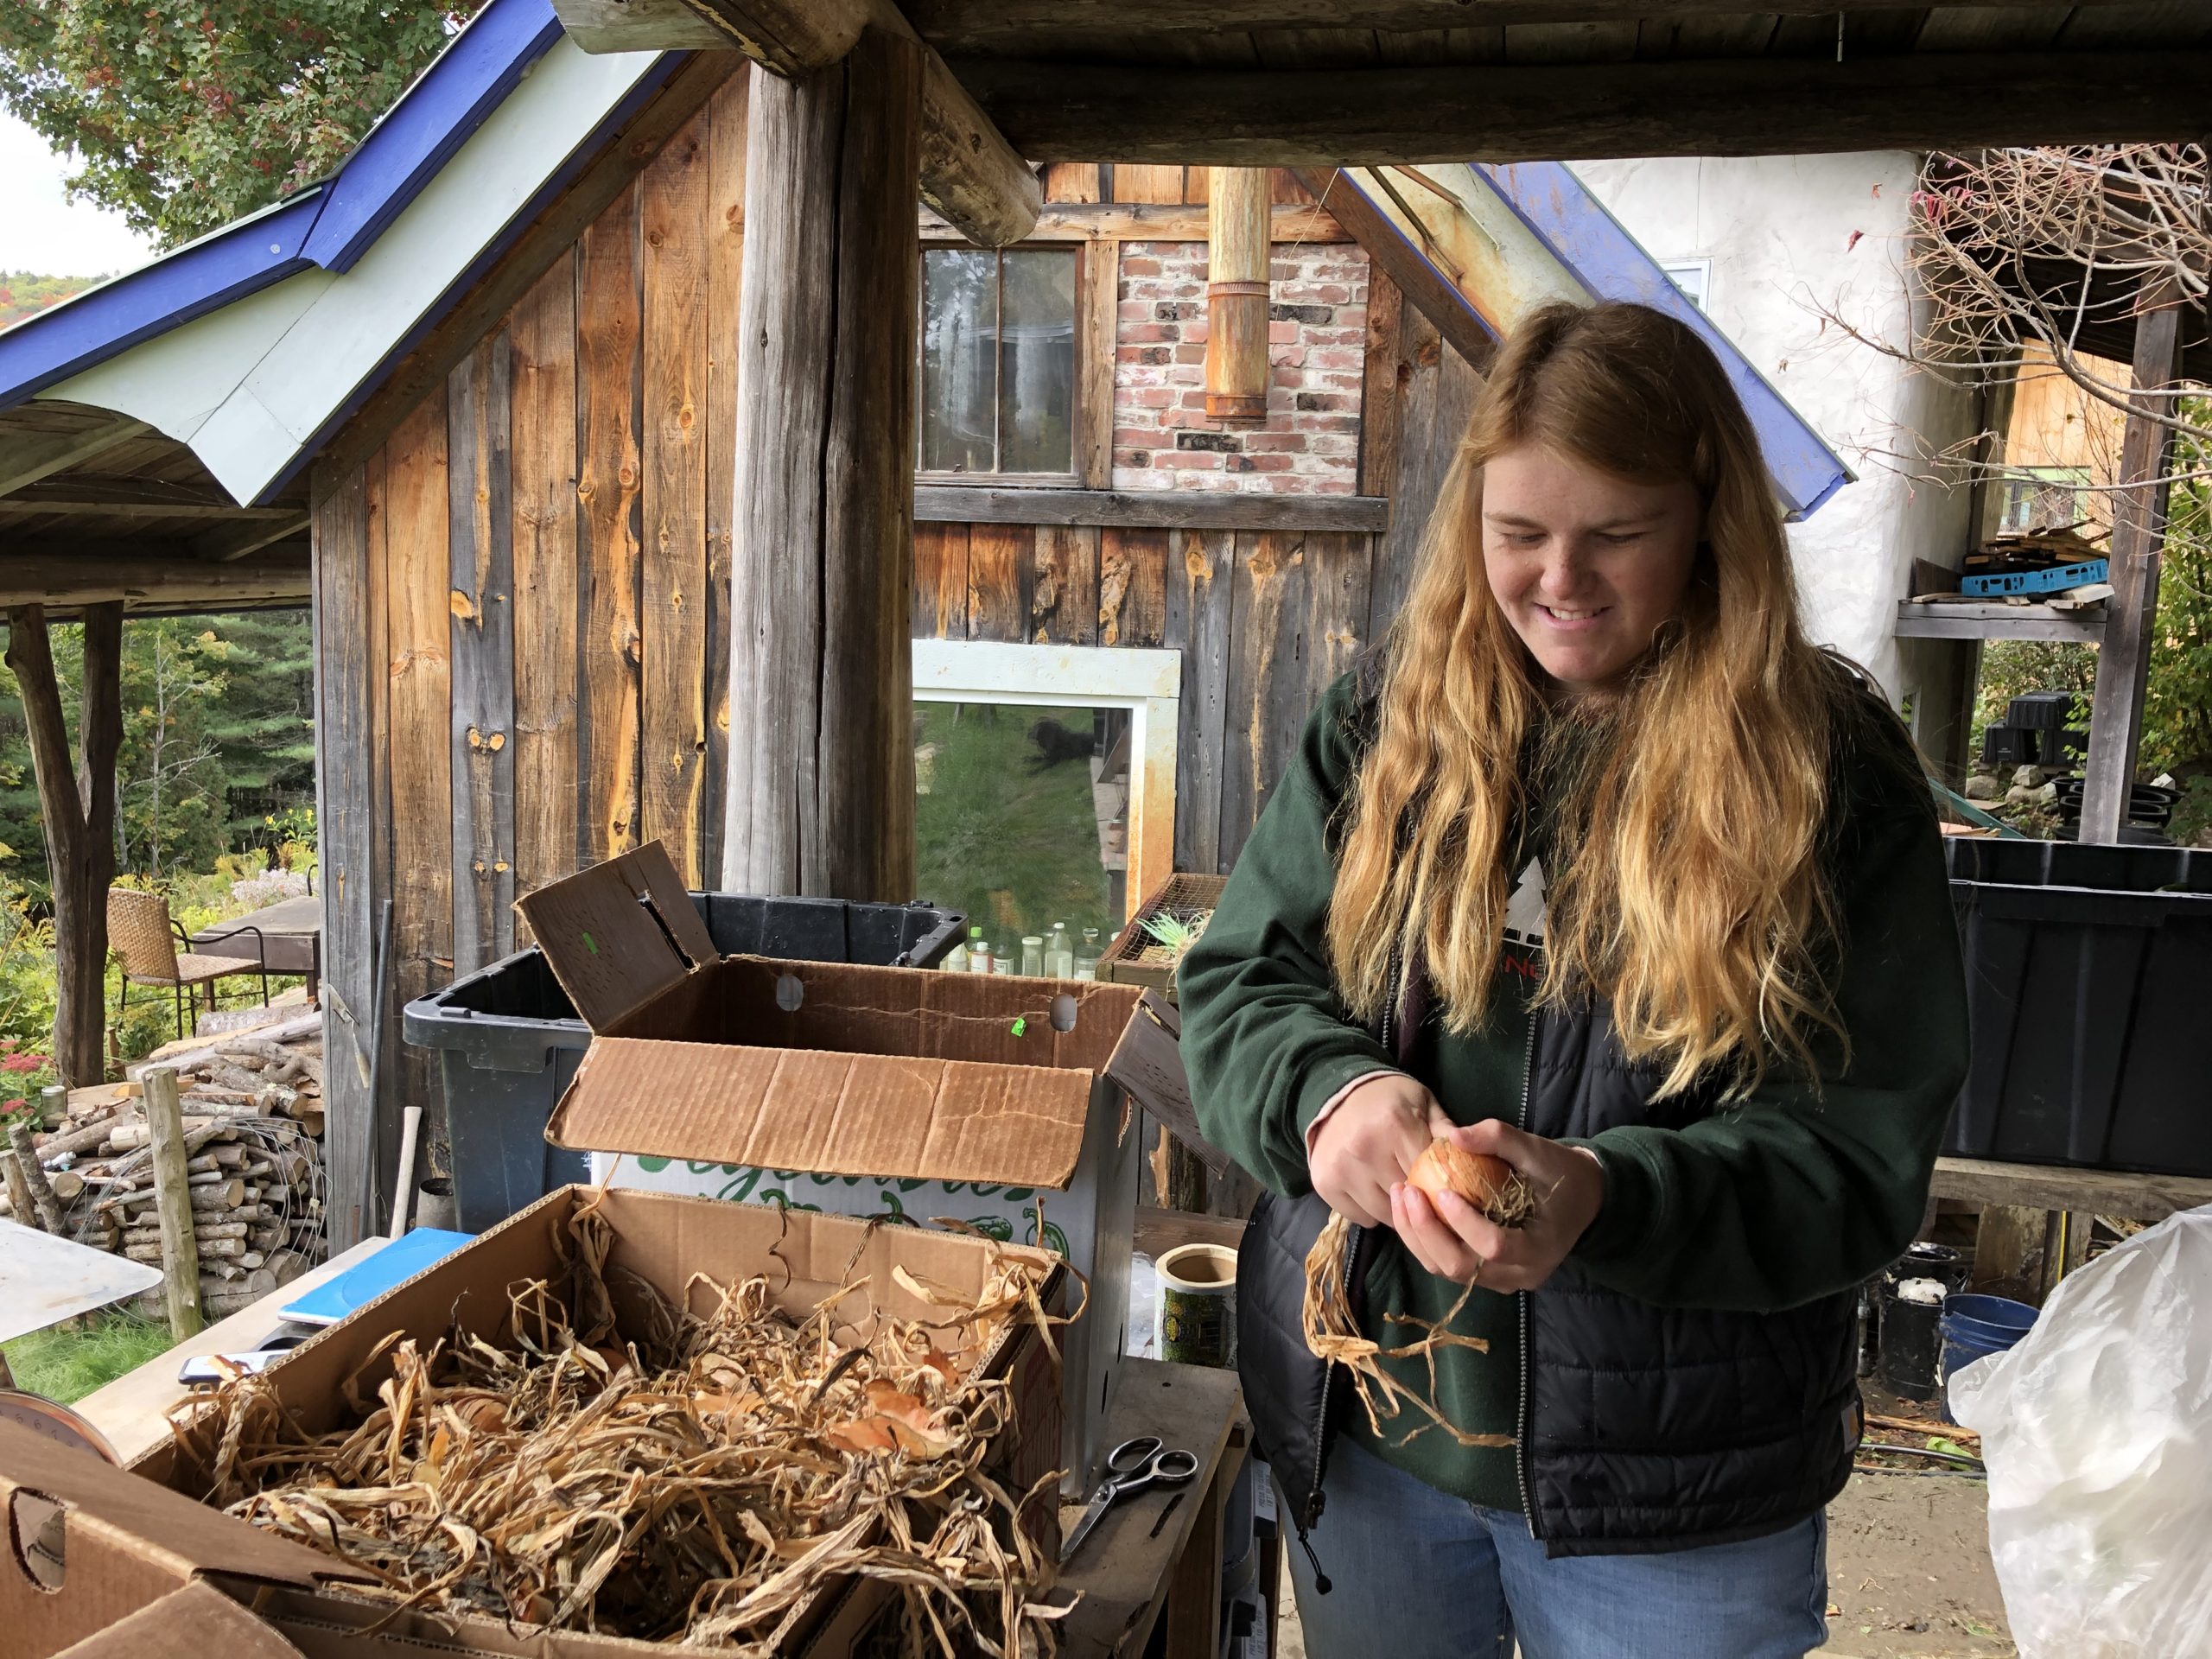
pixel 1974 1327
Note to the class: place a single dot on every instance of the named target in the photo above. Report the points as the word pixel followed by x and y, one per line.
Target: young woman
pixel 1601 867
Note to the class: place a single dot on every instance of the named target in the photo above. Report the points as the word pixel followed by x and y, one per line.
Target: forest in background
pixel 24 294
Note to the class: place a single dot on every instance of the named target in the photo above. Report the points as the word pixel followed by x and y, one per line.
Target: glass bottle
pixel 1086 958
pixel 955 960
pixel 1002 958
pixel 1033 956
pixel 979 951
pixel 1060 953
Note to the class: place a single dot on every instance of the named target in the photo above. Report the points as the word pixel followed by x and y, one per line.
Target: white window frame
pixel 1147 683
pixel 1694 278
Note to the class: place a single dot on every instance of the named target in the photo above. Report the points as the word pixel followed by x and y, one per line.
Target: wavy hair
pixel 1688 887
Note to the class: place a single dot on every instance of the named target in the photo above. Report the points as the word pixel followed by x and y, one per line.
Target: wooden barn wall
pixel 521 605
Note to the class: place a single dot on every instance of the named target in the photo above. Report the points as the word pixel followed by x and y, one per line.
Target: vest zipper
pixel 1321 1585
pixel 1521 1298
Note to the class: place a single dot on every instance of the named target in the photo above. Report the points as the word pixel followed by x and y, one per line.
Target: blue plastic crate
pixel 2056 579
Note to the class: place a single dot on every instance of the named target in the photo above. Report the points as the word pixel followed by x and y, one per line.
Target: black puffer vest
pixel 1641 1429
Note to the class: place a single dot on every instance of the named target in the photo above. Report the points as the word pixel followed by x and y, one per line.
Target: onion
pixel 1489 1185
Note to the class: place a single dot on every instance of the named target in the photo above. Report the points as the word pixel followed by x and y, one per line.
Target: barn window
pixel 998 361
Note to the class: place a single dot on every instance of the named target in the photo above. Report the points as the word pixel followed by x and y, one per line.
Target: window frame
pixel 1700 267
pixel 1145 681
pixel 1074 478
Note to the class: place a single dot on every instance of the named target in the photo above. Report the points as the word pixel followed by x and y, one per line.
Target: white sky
pixel 43 231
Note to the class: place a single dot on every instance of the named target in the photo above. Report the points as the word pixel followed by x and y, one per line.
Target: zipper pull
pixel 1321 1584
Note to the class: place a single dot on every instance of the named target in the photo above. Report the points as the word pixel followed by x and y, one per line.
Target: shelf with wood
pixel 2133 1195
pixel 1953 618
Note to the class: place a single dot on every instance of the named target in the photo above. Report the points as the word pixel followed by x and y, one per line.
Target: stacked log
pixel 251 1107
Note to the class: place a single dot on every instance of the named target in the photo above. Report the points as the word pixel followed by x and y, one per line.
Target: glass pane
pixel 1037 371
pixel 959 317
pixel 1010 823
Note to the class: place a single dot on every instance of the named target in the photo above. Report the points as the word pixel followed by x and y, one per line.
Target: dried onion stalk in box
pixel 694 1485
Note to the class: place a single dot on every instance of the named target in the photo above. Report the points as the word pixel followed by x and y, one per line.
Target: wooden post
pixel 173 1194
pixel 2137 535
pixel 1237 295
pixel 821 789
pixel 34 1182
pixel 77 811
pixel 19 1190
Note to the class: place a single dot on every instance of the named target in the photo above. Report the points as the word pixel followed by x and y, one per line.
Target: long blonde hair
pixel 1688 888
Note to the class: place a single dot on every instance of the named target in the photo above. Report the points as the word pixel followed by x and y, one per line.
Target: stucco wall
pixel 1789 237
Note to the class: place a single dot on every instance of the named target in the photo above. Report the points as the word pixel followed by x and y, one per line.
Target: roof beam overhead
pixel 957 25
pixel 70 573
pixel 28 459
pixel 228 542
pixel 970 173
pixel 1757 106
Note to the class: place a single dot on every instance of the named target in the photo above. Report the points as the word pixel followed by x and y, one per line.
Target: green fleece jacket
pixel 1793 1195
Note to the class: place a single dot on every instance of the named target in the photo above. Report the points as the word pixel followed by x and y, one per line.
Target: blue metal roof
pixel 326 227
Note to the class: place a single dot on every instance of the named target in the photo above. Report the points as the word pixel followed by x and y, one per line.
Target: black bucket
pixel 1911 1345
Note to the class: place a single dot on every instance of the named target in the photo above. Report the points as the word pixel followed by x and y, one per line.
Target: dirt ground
pixel 1909 1573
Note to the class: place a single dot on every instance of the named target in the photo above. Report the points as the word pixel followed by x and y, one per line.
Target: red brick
pixel 1138 266
pixel 1283 333
pixel 1333 357
pixel 1135 437
pixel 1189 461
pixel 1289 443
pixel 1152 397
pixel 1189 353
pixel 1133 457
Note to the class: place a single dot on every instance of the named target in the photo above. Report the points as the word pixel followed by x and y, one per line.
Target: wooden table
pixel 1130 1578
pixel 289 942
pixel 132 1411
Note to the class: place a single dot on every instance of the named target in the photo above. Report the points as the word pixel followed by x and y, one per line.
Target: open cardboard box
pixel 664 1240
pixel 867 1091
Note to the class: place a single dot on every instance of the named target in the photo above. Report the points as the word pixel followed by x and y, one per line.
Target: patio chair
pixel 141 931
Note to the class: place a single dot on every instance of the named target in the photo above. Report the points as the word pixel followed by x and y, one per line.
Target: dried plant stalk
pixel 695 1484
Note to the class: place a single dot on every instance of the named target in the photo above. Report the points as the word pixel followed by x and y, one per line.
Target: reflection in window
pixel 1020 815
pixel 2045 497
pixel 998 361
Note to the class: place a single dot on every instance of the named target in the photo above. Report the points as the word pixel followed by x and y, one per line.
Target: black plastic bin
pixel 508 1039
pixel 2086 973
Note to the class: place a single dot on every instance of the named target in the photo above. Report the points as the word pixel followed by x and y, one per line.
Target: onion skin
pixel 1482 1180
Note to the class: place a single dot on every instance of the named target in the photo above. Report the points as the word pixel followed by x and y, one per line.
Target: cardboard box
pixel 857 1090
pixel 89 1546
pixel 665 1241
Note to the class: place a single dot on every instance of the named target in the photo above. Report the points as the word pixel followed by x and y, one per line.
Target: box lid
pixel 189 1623
pixel 619 933
pixel 854 1070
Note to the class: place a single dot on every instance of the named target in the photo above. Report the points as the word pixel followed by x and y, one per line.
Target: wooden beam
pixel 2040 1186
pixel 1424 287
pixel 640 26
pixel 1753 106
pixel 969 172
pixel 2139 533
pixel 960 24
pixel 821 790
pixel 129 498
pixel 1148 509
pixel 67 575
pixel 1147 221
pixel 27 459
pixel 235 541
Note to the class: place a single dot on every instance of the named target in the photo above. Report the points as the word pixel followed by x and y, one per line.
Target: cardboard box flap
pixel 619 933
pixel 1147 1063
pixel 166 1526
pixel 827 1113
pixel 194 1622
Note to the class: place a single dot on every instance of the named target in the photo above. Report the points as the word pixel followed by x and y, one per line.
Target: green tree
pixel 262 723
pixel 170 794
pixel 186 117
pixel 24 294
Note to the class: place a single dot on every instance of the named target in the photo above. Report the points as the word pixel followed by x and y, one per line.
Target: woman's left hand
pixel 1453 1240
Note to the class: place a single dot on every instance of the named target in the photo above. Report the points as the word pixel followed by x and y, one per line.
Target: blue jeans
pixel 1420 1574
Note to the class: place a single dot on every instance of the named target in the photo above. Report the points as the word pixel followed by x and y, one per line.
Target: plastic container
pixel 508 1039
pixel 1974 1327
pixel 2085 968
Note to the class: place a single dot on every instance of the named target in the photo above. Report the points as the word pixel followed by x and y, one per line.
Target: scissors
pixel 1131 1466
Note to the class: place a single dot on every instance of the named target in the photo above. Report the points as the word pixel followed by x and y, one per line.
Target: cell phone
pixel 200 1370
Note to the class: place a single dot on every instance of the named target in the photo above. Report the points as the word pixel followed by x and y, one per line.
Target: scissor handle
pixel 1130 1457
pixel 1172 1466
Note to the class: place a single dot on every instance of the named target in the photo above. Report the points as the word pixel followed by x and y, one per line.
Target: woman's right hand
pixel 1365 1146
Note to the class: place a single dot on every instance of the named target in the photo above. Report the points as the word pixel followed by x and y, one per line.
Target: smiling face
pixel 1586 565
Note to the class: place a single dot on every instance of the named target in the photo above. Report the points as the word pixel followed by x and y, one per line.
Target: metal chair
pixel 141 931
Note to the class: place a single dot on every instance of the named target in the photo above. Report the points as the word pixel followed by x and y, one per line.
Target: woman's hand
pixel 1364 1147
pixel 1452 1241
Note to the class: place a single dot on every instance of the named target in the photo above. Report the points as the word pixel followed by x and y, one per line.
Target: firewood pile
pixel 253 1105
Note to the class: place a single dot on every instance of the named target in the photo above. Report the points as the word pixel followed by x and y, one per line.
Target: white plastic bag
pixel 2097 1432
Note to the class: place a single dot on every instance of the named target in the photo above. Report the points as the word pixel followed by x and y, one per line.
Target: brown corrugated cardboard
pixel 198 1622
pixel 88 1545
pixel 947 1087
pixel 665 1241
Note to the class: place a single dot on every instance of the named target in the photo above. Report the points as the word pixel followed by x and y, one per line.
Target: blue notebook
pixel 368 1279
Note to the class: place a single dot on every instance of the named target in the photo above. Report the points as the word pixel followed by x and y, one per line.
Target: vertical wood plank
pixel 1198 184
pixel 1200 564
pixel 1132 586
pixel 940 581
pixel 1064 602
pixel 347 760
pixel 1095 322
pixel 1270 604
pixel 1437 393
pixel 385 1119
pixel 1071 181
pixel 1001 568
pixel 1380 386
pixel 1148 183
pixel 480 554
pixel 607 393
pixel 416 585
pixel 727 117
pixel 671 621
pixel 543 396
